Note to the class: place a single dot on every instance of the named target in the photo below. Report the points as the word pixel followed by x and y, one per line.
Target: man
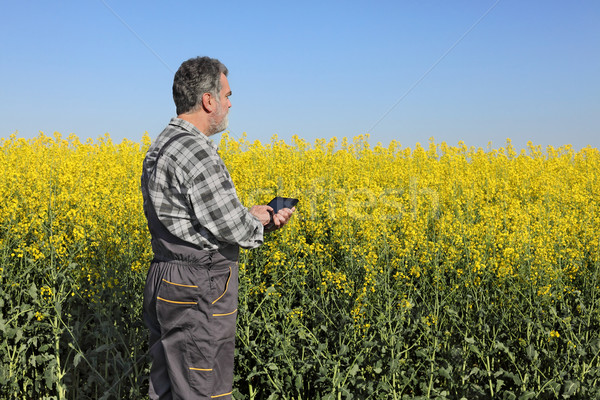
pixel 197 225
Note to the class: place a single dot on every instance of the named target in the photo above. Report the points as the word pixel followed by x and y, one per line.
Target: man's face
pixel 219 121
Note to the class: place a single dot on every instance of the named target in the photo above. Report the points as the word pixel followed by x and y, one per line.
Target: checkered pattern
pixel 193 194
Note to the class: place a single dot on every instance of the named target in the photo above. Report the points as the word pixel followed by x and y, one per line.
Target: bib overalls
pixel 190 308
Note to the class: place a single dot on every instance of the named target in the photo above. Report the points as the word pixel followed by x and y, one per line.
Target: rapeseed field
pixel 426 272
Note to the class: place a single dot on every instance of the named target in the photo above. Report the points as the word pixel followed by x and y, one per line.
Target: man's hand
pixel 282 217
pixel 264 212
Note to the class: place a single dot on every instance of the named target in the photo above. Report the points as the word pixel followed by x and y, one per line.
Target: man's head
pixel 200 84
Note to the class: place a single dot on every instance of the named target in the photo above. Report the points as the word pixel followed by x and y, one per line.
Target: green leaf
pixel 499 384
pixel 343 349
pixel 532 353
pixel 76 359
pixel 18 335
pixel 272 366
pixel 33 291
pixel 516 379
pixel 445 372
pixel 508 395
pixel 49 376
pixel 270 289
pixel 570 387
pixel 103 347
pixel 58 308
pixel 527 396
pixel 475 349
pixel 346 393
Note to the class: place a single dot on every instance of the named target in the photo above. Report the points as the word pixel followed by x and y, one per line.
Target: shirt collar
pixel 189 127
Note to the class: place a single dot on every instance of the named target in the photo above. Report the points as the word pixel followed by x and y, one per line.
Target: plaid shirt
pixel 193 194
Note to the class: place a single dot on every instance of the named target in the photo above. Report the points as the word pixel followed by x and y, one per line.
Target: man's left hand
pixel 282 217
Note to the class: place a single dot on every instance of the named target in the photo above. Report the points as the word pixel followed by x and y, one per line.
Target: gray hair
pixel 195 77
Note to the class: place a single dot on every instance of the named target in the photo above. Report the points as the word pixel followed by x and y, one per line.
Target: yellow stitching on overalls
pixel 201 369
pixel 220 395
pixel 175 302
pixel 226 287
pixel 179 284
pixel 226 314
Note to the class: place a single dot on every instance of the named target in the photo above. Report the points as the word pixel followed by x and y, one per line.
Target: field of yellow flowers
pixel 436 272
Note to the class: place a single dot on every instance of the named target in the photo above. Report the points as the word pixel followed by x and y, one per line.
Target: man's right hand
pixel 263 213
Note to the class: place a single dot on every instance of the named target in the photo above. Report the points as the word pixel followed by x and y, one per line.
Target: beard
pixel 219 123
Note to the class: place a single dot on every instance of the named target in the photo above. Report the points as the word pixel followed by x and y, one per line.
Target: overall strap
pixel 174 138
pixel 165 245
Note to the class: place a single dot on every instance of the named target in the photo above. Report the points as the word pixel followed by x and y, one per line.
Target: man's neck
pixel 197 119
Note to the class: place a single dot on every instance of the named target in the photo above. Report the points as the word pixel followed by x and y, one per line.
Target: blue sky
pixel 406 70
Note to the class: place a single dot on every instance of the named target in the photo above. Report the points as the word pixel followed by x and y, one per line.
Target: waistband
pixel 196 257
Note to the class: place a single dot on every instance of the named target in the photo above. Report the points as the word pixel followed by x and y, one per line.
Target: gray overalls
pixel 190 308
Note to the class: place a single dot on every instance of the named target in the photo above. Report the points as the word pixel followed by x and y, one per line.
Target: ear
pixel 208 102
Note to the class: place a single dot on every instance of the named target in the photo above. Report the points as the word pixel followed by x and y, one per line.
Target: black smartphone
pixel 282 202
